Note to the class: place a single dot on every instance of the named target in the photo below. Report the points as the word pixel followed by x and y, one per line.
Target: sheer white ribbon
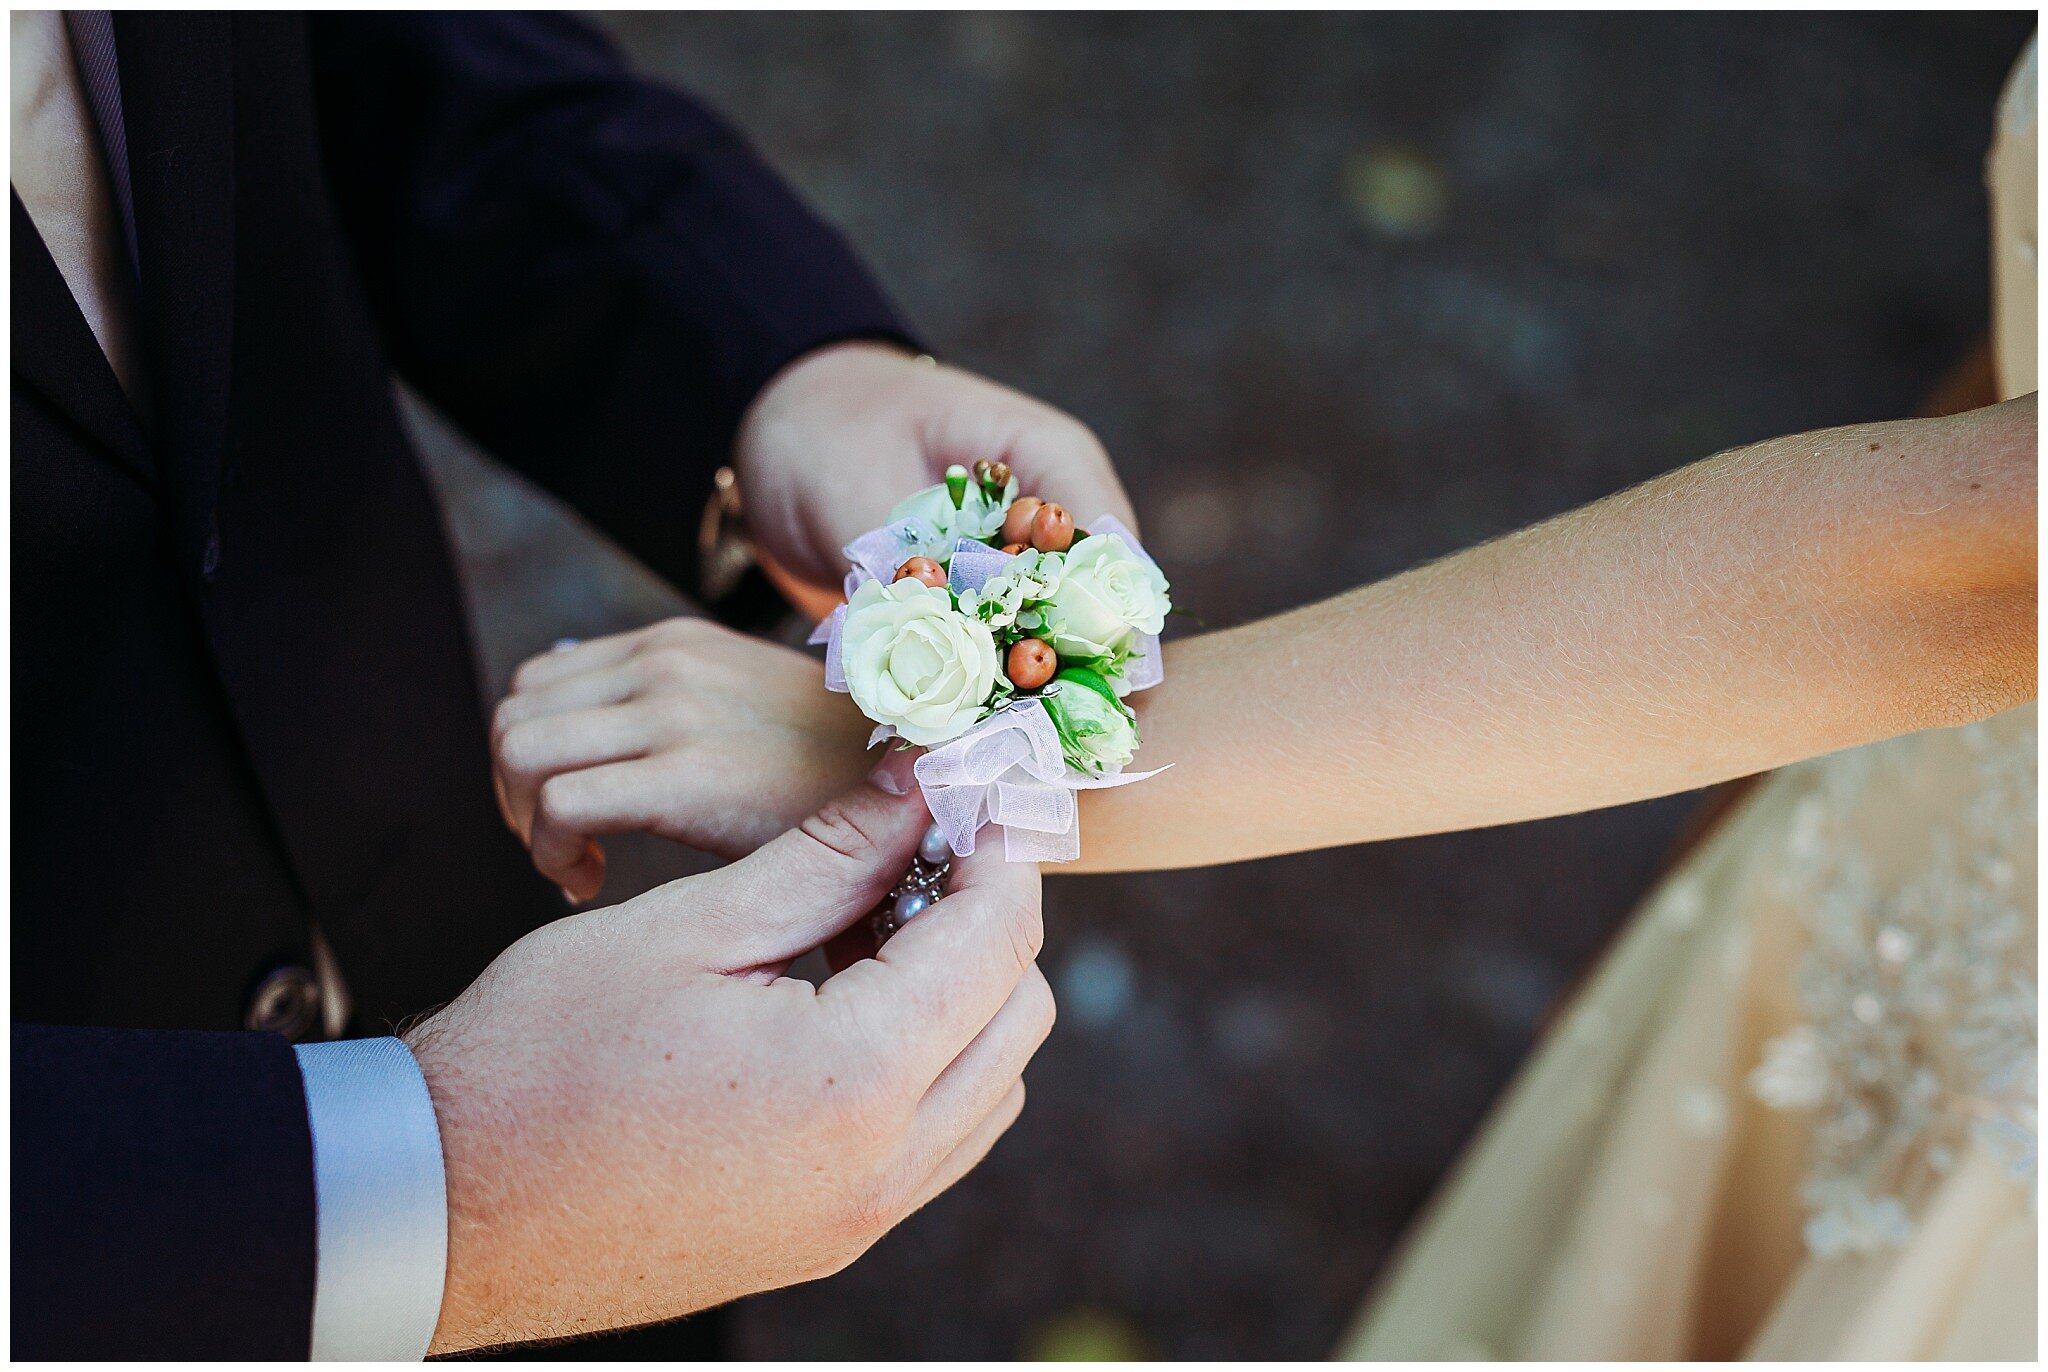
pixel 1008 770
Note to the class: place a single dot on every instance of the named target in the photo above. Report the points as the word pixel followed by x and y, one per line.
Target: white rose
pixel 914 662
pixel 1107 596
pixel 1097 733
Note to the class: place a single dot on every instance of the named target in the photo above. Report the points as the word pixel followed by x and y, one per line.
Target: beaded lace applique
pixel 1918 982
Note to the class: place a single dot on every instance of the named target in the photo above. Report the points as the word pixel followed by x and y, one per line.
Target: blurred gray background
pixel 1340 293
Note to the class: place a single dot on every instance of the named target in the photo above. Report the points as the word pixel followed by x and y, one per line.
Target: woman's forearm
pixel 1769 604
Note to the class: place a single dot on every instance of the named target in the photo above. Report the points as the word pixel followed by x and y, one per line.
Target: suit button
pixel 287 1001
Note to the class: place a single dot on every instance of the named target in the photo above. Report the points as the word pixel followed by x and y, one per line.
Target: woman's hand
pixel 683 729
pixel 840 436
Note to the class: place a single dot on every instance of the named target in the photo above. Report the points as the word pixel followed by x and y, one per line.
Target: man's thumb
pixel 806 885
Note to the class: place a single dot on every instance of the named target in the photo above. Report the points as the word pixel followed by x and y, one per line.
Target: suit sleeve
pixel 163 1196
pixel 590 273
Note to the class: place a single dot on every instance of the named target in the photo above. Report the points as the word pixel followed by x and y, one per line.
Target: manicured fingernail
pixel 569 895
pixel 563 645
pixel 893 773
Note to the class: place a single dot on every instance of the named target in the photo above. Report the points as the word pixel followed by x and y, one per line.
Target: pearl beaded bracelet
pixel 919 889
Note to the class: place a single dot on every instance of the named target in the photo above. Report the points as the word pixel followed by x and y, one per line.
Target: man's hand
pixel 683 729
pixel 844 433
pixel 642 1118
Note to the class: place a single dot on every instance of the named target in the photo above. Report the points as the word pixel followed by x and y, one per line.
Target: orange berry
pixel 1015 548
pixel 1017 519
pixel 1031 663
pixel 1052 529
pixel 923 569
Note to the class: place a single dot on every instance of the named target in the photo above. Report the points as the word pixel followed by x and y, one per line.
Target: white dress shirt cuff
pixel 383 1201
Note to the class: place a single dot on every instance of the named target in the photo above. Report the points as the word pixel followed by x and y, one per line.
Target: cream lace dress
pixel 1793 1115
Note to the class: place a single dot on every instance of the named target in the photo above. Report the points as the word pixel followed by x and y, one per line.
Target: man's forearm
pixel 1773 603
pixel 589 272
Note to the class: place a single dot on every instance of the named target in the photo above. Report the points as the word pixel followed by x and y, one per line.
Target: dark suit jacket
pixel 244 696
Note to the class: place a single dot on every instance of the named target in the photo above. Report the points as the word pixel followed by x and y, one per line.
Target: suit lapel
pixel 177 100
pixel 55 352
